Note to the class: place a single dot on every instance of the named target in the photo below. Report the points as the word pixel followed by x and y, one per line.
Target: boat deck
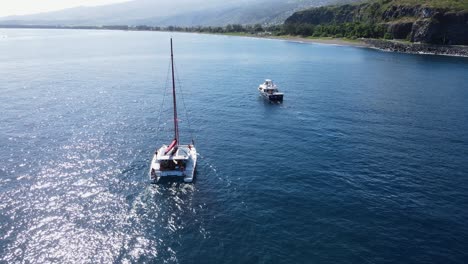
pixel 184 163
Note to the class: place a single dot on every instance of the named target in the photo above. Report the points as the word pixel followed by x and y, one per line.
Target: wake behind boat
pixel 175 159
pixel 269 91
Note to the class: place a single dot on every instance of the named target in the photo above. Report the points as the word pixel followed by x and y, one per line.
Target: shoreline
pixel 321 40
pixel 418 48
pixel 326 41
pixel 375 44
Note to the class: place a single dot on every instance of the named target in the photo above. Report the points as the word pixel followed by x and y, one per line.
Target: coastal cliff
pixel 430 22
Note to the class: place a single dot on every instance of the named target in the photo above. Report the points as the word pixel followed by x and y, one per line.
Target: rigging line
pixel 183 101
pixel 162 105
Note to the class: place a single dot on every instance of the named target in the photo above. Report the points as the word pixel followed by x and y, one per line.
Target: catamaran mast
pixel 176 124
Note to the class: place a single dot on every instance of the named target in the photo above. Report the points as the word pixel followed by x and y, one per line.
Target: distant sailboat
pixel 175 159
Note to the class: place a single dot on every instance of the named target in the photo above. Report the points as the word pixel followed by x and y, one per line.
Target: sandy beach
pixel 331 41
pixel 320 40
pixel 384 45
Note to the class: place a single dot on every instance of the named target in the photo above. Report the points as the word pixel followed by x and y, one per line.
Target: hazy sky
pixel 22 7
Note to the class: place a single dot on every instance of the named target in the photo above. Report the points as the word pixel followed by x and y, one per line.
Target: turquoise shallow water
pixel 364 162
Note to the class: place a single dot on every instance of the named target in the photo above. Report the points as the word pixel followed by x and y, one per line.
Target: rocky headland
pixel 432 26
pixel 417 48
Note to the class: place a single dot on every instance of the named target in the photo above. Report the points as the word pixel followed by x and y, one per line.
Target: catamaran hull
pixel 187 173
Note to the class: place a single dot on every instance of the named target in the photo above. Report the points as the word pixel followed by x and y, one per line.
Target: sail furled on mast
pixel 172 146
pixel 176 121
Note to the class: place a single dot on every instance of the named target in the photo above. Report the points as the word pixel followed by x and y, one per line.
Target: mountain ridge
pixel 175 13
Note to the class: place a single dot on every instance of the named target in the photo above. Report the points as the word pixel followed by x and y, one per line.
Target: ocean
pixel 365 161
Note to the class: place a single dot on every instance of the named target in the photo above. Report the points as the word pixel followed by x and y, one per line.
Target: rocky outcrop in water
pixel 418 48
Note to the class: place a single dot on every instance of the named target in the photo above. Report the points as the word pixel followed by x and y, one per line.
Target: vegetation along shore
pixel 431 26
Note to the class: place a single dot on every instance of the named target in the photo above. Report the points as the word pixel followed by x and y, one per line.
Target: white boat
pixel 175 159
pixel 269 91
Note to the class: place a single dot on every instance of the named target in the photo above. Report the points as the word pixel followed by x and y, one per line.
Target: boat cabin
pixel 270 90
pixel 268 83
pixel 174 161
pixel 170 165
pixel 269 87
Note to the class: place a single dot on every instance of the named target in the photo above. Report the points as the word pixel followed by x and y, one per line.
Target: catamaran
pixel 175 159
pixel 269 91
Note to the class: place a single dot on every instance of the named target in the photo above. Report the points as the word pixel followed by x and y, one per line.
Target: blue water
pixel 366 161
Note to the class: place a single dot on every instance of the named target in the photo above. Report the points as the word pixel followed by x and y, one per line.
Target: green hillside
pixel 433 21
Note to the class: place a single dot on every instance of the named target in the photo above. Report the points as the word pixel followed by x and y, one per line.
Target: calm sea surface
pixel 366 161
